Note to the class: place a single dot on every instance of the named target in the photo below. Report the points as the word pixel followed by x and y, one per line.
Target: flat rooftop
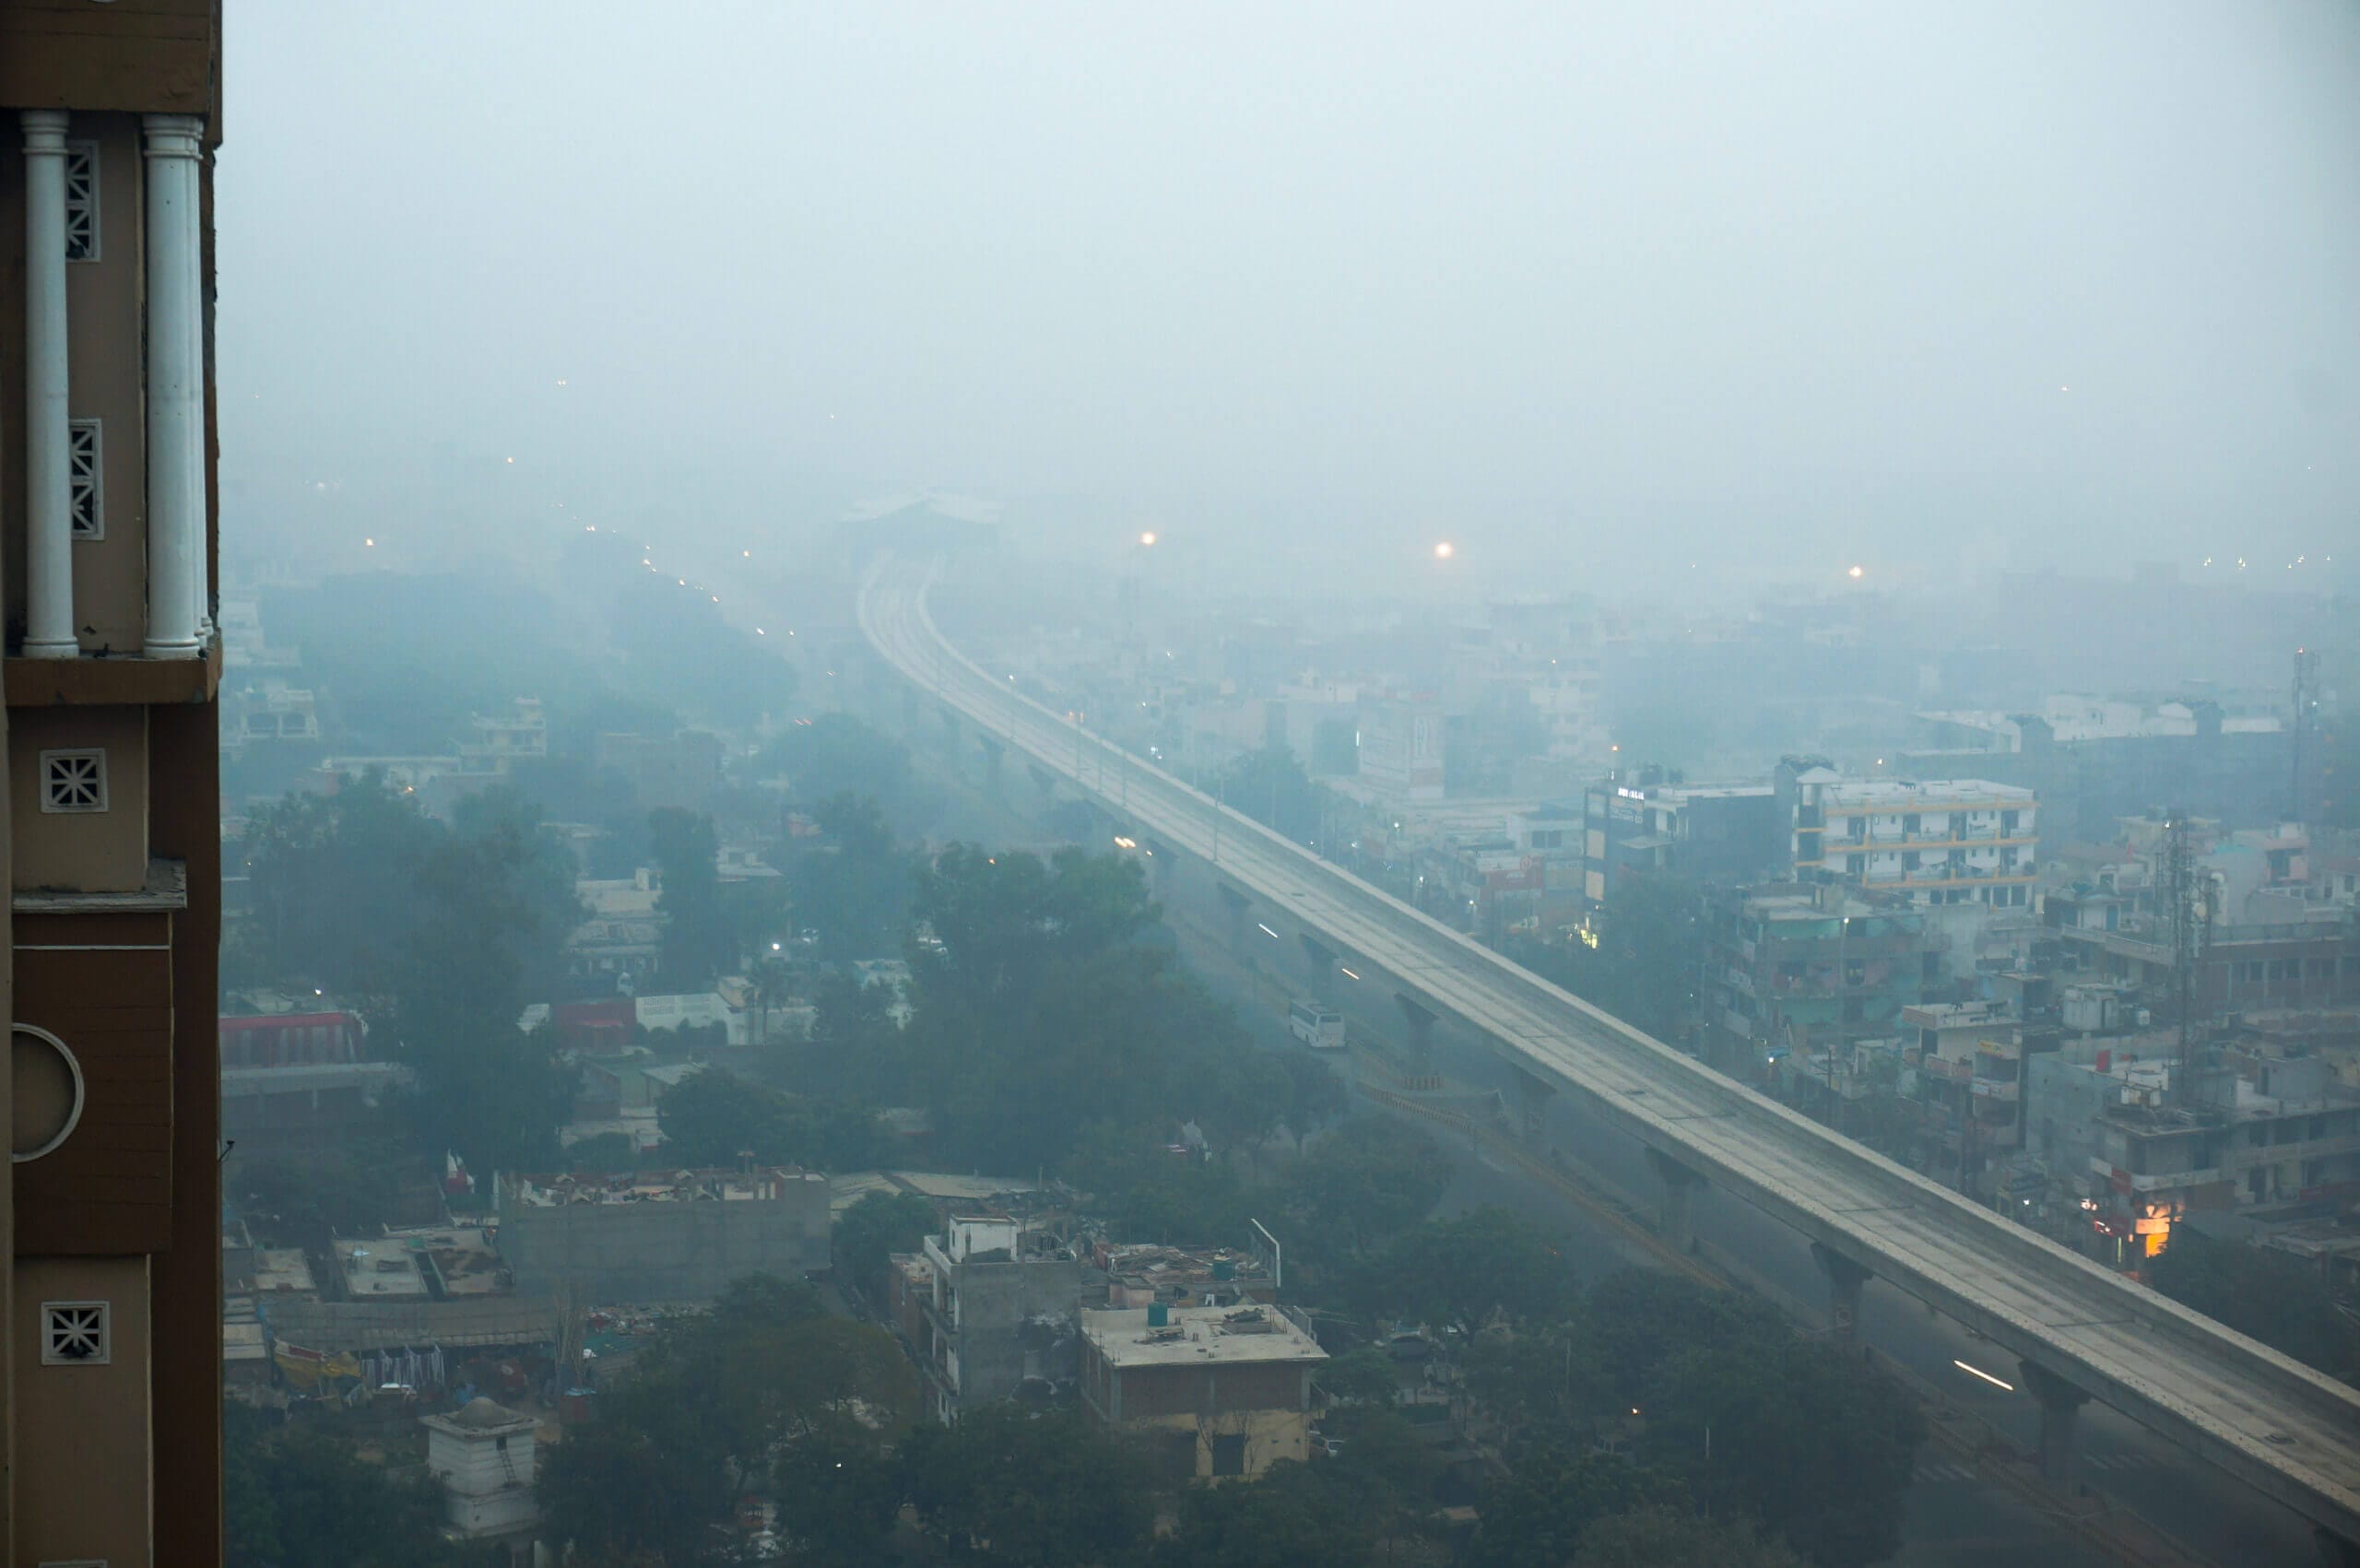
pixel 376 1268
pixel 767 1184
pixel 1198 1336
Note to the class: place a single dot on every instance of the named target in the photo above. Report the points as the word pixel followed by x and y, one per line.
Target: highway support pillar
pixel 1532 1096
pixel 910 711
pixel 993 752
pixel 1321 958
pixel 1419 1067
pixel 2334 1550
pixel 1234 904
pixel 1675 1220
pixel 2060 1413
pixel 1159 866
pixel 1845 1278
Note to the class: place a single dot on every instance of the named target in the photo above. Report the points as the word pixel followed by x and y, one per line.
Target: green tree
pixel 1651 950
pixel 878 1225
pixel 1638 1319
pixel 1535 1516
pixel 1671 1538
pixel 1048 1490
pixel 719 1405
pixel 697 942
pixel 1545 1383
pixel 2266 1295
pixel 1146 1193
pixel 331 874
pixel 1293 1517
pixel 853 888
pixel 485 1086
pixel 293 1497
pixel 1271 786
pixel 710 1118
pixel 1460 1270
pixel 836 754
pixel 1369 1180
pixel 1811 1442
pixel 1367 1373
pixel 1316 1095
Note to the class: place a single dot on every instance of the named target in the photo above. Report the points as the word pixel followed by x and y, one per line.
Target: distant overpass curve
pixel 2291 1432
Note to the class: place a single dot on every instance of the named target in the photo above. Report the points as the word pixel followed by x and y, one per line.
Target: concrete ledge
pixel 109 682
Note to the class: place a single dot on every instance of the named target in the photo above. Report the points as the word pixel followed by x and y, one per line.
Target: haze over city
pixel 1070 787
pixel 1620 292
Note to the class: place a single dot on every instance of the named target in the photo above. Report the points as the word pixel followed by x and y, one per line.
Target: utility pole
pixel 2190 923
pixel 2306 681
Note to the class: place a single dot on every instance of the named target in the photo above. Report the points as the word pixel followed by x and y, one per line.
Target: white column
pixel 49 498
pixel 176 586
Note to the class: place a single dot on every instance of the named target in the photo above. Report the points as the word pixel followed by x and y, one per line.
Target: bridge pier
pixel 1532 1097
pixel 1234 904
pixel 1419 1066
pixel 1675 1220
pixel 909 710
pixel 1321 958
pixel 2060 1417
pixel 994 750
pixel 1845 1278
pixel 2334 1550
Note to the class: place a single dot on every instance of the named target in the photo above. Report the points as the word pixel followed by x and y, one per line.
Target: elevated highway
pixel 2079 1330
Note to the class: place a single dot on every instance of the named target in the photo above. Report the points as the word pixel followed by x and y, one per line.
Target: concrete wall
pixel 668 1252
pixel 998 1345
pixel 94 852
pixel 89 1424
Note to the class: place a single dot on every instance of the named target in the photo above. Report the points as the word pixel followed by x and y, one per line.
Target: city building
pixel 111 1374
pixel 483 1455
pixel 2095 760
pixel 1220 1393
pixel 997 1312
pixel 681 770
pixel 670 1236
pixel 1714 832
pixel 2248 1130
pixel 1943 841
pixel 1401 745
pixel 1802 969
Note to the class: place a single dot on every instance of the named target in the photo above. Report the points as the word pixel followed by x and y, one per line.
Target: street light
pixel 1148 537
pixel 1444 550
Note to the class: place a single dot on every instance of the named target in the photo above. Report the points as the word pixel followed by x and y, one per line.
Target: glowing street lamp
pixel 1148 537
pixel 1855 572
pixel 1444 550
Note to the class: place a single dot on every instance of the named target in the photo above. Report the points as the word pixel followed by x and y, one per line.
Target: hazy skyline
pixel 1929 286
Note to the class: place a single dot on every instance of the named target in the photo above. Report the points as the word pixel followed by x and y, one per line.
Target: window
pixel 1229 1453
pixel 81 201
pixel 82 467
pixel 75 1334
pixel 73 781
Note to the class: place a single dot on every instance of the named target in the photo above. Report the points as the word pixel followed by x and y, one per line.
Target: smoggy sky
pixel 1932 286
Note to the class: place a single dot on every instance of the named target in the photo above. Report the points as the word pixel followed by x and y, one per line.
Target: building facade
pixel 112 1369
pixel 997 1311
pixel 1220 1393
pixel 1943 841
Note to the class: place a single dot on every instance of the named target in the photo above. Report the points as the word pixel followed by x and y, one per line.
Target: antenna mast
pixel 2184 908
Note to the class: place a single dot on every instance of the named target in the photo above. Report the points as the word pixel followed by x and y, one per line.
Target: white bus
pixel 1320 1028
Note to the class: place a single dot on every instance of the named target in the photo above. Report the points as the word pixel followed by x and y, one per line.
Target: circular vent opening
pixel 48 1091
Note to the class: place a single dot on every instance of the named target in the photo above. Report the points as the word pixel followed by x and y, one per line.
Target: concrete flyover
pixel 2292 1434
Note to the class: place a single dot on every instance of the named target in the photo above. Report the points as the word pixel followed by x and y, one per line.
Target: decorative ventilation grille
pixel 82 201
pixel 82 469
pixel 73 781
pixel 75 1334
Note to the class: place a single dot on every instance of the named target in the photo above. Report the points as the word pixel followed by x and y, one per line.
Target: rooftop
pixel 372 1268
pixel 1912 792
pixel 1197 1335
pixel 558 1190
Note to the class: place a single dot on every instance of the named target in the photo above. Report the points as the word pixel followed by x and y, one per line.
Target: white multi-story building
pixel 1945 841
